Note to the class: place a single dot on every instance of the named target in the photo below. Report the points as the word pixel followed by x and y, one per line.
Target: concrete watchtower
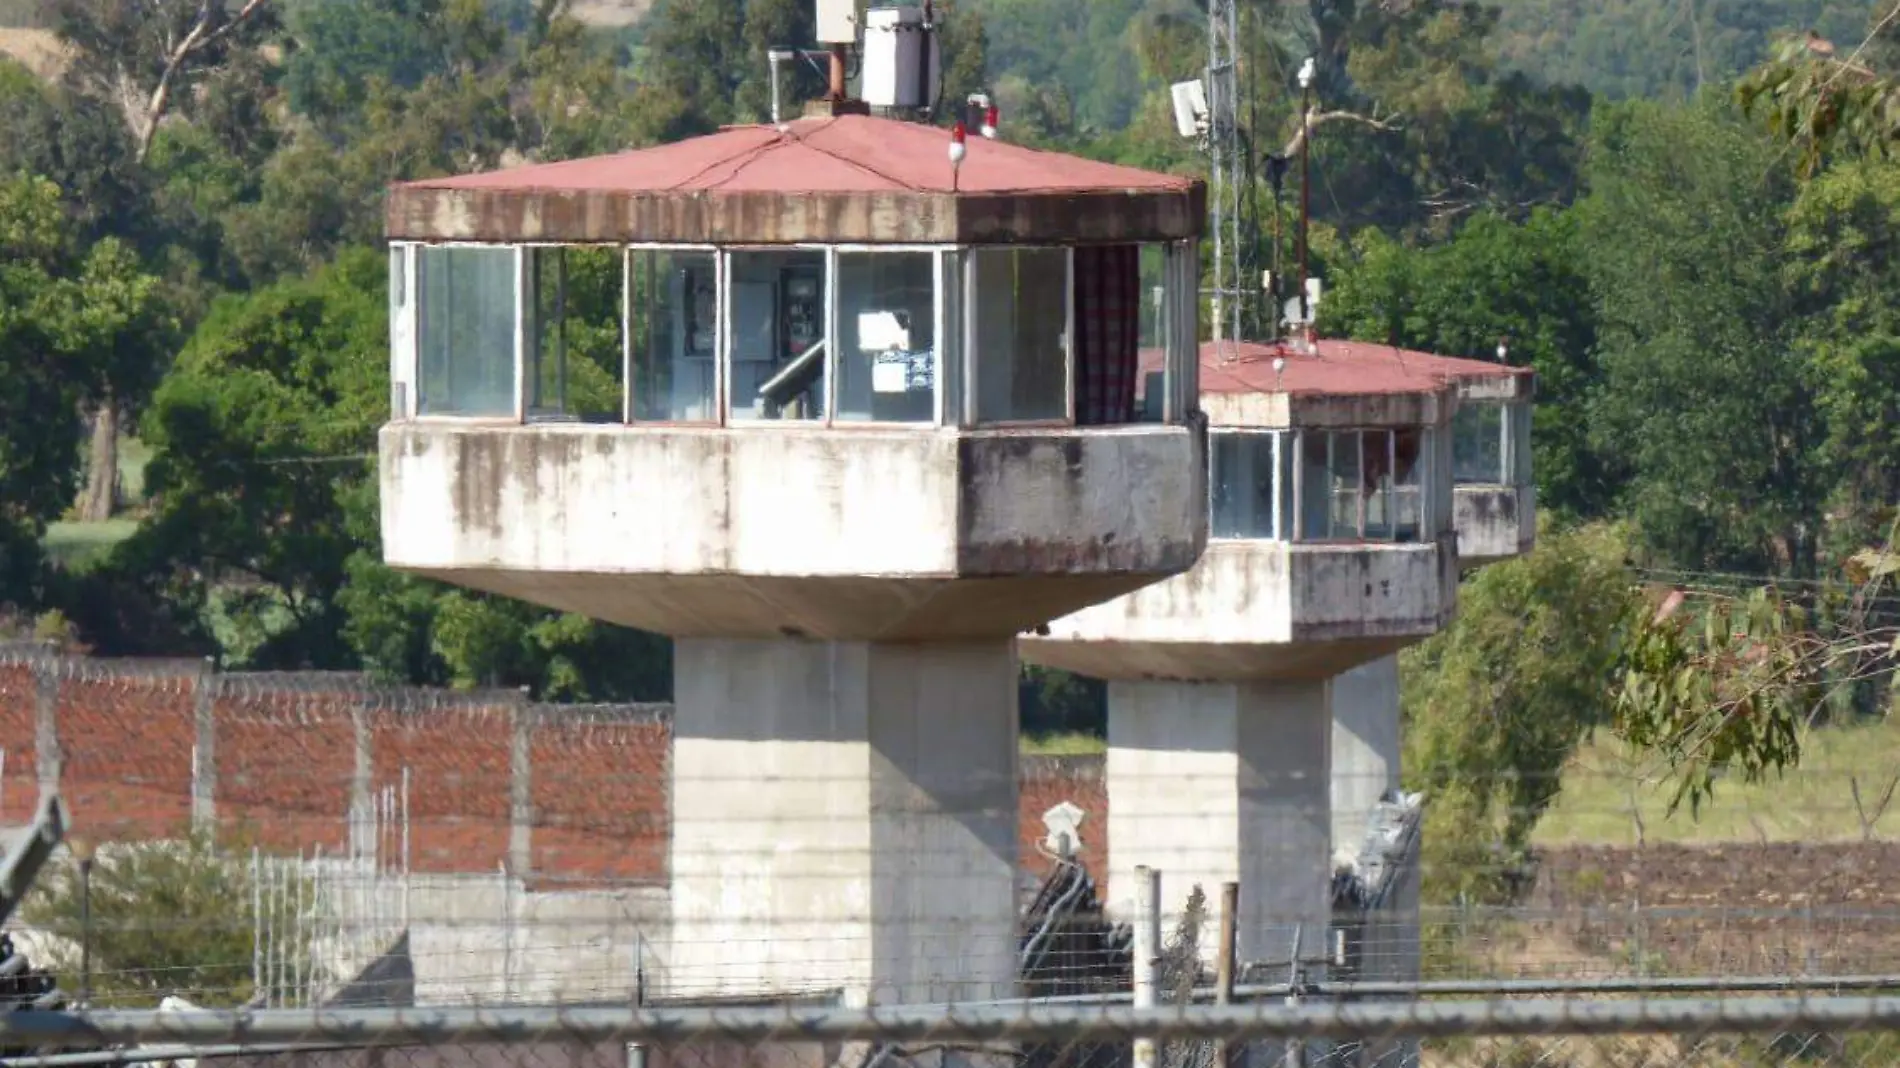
pixel 878 414
pixel 1331 546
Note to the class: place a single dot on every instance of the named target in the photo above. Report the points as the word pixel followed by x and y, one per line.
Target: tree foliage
pixel 167 917
pixel 1496 704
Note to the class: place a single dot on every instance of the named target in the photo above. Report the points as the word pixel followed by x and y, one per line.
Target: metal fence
pixel 1664 1032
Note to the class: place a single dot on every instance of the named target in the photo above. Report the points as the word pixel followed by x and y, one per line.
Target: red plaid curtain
pixel 1107 333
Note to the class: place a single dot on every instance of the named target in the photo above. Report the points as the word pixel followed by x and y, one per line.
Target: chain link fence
pixel 1633 1032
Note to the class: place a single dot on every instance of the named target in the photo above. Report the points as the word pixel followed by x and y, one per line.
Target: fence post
pixel 1226 1053
pixel 1147 953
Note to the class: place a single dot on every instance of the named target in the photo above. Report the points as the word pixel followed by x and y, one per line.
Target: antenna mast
pixel 1224 157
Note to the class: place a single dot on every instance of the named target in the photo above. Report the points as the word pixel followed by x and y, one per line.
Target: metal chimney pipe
pixel 774 57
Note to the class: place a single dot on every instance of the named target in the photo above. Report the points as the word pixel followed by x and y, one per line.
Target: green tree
pixel 1843 235
pixel 173 917
pixel 69 315
pixel 1496 704
pixel 1496 281
pixel 1684 237
pixel 257 433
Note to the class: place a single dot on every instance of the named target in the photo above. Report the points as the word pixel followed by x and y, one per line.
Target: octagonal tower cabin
pixel 1334 491
pixel 869 414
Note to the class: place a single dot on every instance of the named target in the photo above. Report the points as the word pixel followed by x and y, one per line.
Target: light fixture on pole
pixel 991 118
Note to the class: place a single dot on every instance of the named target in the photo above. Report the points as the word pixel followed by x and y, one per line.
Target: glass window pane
pixel 1376 485
pixel 673 321
pixel 1283 486
pixel 950 337
pixel 887 319
pixel 574 357
pixel 1315 486
pixel 1241 484
pixel 1477 451
pixel 1153 333
pixel 401 337
pixel 1022 315
pixel 1408 449
pixel 1346 496
pixel 466 299
pixel 775 323
pixel 1518 424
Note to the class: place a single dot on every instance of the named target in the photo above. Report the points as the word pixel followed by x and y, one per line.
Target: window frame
pixel 973 384
pixel 520 354
pixel 1288 516
pixel 628 396
pixel 938 322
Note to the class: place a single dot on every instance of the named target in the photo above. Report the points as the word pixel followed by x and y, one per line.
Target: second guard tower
pixel 1331 546
pixel 878 412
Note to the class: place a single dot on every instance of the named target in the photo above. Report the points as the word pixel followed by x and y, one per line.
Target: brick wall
pixel 565 795
pixel 283 764
pixel 19 716
pixel 598 792
pixel 125 734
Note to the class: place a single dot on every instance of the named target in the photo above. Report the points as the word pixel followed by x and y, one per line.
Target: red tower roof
pixel 824 180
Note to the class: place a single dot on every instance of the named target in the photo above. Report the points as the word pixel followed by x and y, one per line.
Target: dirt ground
pixel 38 49
pixel 1771 908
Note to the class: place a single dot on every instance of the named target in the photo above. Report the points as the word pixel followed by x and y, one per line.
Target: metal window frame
pixel 1068 339
pixel 405 357
pixel 939 323
pixel 416 250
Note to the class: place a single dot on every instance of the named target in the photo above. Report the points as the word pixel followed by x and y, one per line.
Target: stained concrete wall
pixel 1494 522
pixel 828 533
pixel 1366 746
pixel 1218 782
pixel 1261 609
pixel 844 817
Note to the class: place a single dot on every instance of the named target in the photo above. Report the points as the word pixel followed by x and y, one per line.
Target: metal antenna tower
pixel 1225 165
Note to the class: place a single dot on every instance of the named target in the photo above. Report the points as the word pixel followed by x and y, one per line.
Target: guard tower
pixel 1494 515
pixel 1331 546
pixel 876 412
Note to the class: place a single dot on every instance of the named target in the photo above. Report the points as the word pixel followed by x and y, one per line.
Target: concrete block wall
pixel 564 798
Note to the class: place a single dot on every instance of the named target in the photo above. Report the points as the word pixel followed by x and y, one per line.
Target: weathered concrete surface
pixel 418 213
pixel 1411 406
pixel 796 531
pixel 845 817
pixel 1366 746
pixel 1218 782
pixel 1494 522
pixel 1259 610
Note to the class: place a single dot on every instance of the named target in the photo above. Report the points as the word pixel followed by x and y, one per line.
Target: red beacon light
pixel 957 148
pixel 991 117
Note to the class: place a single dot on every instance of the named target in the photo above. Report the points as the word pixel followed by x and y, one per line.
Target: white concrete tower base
pixel 1213 782
pixel 1365 746
pixel 869 845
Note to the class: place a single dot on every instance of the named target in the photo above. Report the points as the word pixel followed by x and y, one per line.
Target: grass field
pixel 1610 798
pixel 1063 745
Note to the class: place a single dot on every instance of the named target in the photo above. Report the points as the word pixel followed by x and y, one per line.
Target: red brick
pixel 459 783
pixel 125 751
pixel 285 761
pixel 599 791
pixel 1046 783
pixel 19 733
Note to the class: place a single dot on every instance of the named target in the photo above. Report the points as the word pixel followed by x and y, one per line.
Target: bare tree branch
pixel 1317 119
pixel 203 35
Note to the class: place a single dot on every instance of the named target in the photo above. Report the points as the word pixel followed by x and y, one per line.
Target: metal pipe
pixel 1147 955
pixel 774 57
pixel 964 1024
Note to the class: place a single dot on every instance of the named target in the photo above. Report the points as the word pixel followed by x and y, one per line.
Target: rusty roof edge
pixel 428 214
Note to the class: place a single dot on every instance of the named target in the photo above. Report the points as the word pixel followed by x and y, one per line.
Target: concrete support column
pixel 1365 746
pixel 1211 782
pixel 844 816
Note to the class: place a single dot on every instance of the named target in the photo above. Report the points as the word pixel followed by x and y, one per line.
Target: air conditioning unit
pixel 837 22
pixel 903 65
